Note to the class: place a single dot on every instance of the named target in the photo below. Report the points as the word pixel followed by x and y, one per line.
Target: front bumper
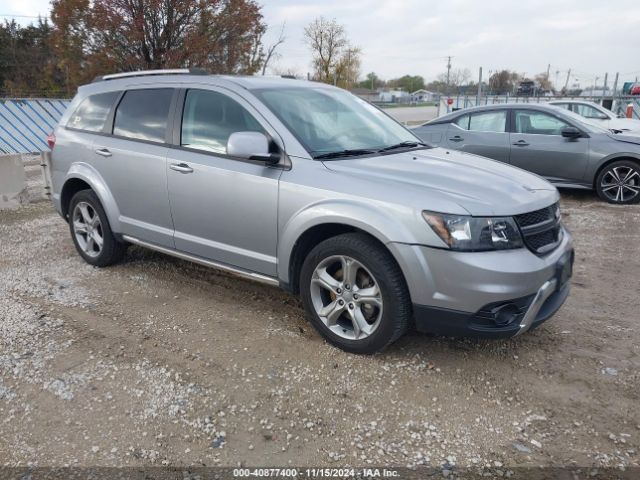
pixel 537 308
pixel 460 293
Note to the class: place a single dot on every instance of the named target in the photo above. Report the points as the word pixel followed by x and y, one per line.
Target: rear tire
pixel 354 293
pixel 619 182
pixel 91 232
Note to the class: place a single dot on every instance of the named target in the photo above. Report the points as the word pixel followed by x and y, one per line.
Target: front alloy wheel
pixel 346 297
pixel 619 182
pixel 354 293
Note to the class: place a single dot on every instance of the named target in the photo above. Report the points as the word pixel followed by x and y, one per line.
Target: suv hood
pixel 433 178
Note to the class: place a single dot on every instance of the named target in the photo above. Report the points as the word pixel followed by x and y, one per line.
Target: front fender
pixel 366 217
pixel 90 175
pixel 595 167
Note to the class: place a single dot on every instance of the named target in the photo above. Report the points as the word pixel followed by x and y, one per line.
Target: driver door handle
pixel 457 138
pixel 103 152
pixel 520 143
pixel 181 167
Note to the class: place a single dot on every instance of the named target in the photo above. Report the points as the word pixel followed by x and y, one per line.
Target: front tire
pixel 619 182
pixel 91 232
pixel 354 293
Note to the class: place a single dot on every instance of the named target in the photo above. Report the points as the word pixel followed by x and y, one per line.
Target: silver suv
pixel 305 186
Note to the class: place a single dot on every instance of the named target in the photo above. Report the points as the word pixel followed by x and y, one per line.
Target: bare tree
pixel 272 54
pixel 457 77
pixel 327 40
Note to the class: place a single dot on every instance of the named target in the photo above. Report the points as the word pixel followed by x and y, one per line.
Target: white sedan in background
pixel 598 115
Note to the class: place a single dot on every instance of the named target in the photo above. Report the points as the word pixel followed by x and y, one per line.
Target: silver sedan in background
pixel 596 114
pixel 550 141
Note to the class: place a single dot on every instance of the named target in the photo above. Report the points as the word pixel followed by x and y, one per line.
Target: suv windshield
pixel 332 121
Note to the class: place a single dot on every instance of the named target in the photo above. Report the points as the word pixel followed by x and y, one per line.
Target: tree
pixel 408 83
pixel 371 81
pixel 545 83
pixel 457 78
pixel 223 36
pixel 272 53
pixel 27 64
pixel 334 59
pixel 503 82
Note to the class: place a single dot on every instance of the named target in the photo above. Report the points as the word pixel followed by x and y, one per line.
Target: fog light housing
pixel 505 314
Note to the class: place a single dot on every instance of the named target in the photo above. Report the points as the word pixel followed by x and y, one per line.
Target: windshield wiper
pixel 344 153
pixel 408 144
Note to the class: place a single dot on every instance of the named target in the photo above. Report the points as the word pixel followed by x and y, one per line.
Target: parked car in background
pixel 598 115
pixel 635 89
pixel 550 141
pixel 306 186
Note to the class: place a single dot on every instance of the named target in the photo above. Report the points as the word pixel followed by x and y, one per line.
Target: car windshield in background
pixel 586 124
pixel 331 123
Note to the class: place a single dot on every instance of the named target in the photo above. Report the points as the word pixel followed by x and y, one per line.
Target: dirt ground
pixel 157 361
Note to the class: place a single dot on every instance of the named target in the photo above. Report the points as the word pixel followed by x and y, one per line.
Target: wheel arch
pixel 314 225
pixel 85 177
pixel 614 158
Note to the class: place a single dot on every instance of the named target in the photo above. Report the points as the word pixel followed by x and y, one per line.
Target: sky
pixel 399 37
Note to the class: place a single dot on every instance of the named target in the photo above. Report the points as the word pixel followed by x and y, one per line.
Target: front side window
pixel 463 122
pixel 209 118
pixel 327 120
pixel 588 111
pixel 92 112
pixel 143 114
pixel 538 123
pixel 489 122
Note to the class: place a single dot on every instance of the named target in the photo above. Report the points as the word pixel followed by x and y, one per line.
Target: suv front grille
pixel 541 229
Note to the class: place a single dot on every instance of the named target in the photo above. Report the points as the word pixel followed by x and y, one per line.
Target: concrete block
pixel 13 186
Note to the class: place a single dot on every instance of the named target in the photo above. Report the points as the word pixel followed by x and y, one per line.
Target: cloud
pixel 415 36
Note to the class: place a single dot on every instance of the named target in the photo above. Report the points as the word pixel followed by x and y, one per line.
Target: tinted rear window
pixel 92 112
pixel 143 114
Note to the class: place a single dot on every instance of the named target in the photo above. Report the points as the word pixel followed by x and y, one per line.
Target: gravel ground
pixel 157 361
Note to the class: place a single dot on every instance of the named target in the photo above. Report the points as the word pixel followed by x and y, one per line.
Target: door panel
pixel 538 146
pixel 482 133
pixel 136 174
pixel 133 162
pixel 224 209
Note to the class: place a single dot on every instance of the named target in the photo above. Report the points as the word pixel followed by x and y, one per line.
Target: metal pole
pixel 479 87
pixel 613 93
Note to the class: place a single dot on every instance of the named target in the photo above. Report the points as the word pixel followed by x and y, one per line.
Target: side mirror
pixel 251 146
pixel 571 132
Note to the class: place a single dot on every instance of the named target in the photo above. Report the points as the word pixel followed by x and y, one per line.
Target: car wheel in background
pixel 91 232
pixel 619 182
pixel 355 294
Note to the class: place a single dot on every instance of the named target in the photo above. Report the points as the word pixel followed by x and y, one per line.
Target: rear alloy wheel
pixel 91 232
pixel 619 182
pixel 355 294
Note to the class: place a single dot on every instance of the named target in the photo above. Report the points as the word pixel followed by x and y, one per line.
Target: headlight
pixel 469 234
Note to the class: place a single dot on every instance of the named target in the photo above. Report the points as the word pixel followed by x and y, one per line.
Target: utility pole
pixel 566 83
pixel 448 71
pixel 548 68
pixel 479 87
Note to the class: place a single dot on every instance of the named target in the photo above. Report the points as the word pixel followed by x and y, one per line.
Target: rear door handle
pixel 457 138
pixel 521 143
pixel 103 152
pixel 181 167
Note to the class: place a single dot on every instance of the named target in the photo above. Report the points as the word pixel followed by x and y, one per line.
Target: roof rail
pixel 144 73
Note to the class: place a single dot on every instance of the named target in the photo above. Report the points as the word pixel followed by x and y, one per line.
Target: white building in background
pixel 394 96
pixel 420 96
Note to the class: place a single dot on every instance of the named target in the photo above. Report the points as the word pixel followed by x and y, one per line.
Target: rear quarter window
pixel 92 112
